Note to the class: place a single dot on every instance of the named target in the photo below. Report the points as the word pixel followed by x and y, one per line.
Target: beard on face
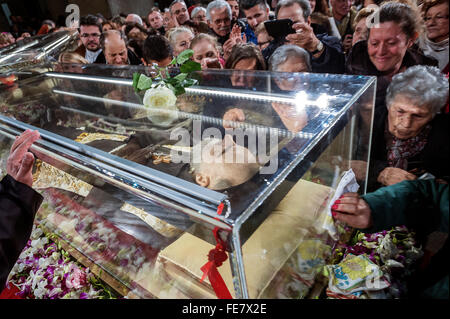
pixel 93 46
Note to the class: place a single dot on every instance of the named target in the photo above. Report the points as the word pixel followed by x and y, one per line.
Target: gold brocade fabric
pixel 85 138
pixel 47 176
pixel 157 224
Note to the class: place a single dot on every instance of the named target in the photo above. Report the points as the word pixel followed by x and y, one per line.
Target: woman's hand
pixel 20 161
pixel 351 209
pixel 394 175
pixel 210 63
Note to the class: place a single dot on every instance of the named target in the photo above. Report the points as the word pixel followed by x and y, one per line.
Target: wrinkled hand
pixel 359 168
pixel 236 37
pixel 352 210
pixel 394 175
pixel 210 63
pixel 235 115
pixel 347 42
pixel 20 161
pixel 227 47
pixel 304 37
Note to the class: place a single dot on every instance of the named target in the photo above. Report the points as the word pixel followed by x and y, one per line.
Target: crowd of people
pixel 404 43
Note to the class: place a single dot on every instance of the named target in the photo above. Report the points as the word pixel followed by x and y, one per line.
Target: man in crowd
pixel 179 11
pixel 325 51
pixel 113 43
pixel 90 32
pixel 156 21
pixel 256 12
pixel 342 21
pixel 132 17
pixel 218 16
pixel 234 5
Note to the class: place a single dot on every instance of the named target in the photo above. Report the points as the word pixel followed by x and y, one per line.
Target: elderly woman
pixel 409 137
pixel 286 59
pixel 289 58
pixel 180 39
pixel 198 15
pixel 360 25
pixel 386 51
pixel 435 40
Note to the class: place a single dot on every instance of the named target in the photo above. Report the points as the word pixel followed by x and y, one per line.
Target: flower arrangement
pixel 160 98
pixel 394 251
pixel 45 271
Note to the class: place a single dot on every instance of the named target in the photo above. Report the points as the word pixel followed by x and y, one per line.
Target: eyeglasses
pixel 437 18
pixel 92 35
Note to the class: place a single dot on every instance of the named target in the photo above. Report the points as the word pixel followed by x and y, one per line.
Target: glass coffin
pixel 36 49
pixel 232 179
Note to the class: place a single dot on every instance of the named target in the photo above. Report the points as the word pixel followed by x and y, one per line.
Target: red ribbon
pixel 216 257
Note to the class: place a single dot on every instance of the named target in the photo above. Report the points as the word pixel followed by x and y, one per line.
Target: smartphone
pixel 279 28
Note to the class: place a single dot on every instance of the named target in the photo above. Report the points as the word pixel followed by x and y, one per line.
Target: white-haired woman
pixel 198 14
pixel 410 136
pixel 180 39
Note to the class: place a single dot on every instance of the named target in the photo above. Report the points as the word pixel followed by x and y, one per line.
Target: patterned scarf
pixel 399 151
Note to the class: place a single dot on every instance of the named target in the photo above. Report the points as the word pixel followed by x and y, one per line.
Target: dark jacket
pixel 433 159
pixel 358 62
pixel 405 204
pixel 18 206
pixel 332 59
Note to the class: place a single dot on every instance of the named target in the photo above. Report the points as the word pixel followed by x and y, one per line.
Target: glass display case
pixel 224 194
pixel 35 50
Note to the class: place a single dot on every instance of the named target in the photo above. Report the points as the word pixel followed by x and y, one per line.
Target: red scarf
pixel 399 151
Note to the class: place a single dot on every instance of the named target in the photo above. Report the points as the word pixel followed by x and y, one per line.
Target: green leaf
pixel 178 90
pixel 144 82
pixel 190 66
pixel 174 61
pixel 185 56
pixel 135 80
pixel 189 82
pixel 180 77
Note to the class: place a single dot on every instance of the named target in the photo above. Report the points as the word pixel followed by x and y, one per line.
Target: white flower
pixel 161 104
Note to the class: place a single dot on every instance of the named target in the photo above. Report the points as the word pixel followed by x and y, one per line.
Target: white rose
pixel 161 104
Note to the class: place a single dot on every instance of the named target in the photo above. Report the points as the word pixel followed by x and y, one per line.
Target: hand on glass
pixel 303 37
pixel 394 175
pixel 20 161
pixel 235 115
pixel 352 210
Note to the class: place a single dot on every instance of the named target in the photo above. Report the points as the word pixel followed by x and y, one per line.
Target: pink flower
pixel 76 279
